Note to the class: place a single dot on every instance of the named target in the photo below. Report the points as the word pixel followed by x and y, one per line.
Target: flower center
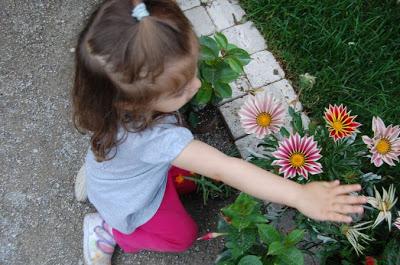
pixel 383 146
pixel 337 125
pixel 263 119
pixel 297 160
pixel 345 229
pixel 384 206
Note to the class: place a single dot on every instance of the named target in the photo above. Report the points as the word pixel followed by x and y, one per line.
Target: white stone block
pixel 200 20
pixel 187 4
pixel 240 87
pixel 305 119
pixel 224 13
pixel 283 92
pixel 248 144
pixel 263 69
pixel 230 113
pixel 246 36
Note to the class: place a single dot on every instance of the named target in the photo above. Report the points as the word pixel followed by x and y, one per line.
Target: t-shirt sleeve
pixel 166 145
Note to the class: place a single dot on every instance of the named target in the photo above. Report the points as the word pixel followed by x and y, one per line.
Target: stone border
pixel 263 73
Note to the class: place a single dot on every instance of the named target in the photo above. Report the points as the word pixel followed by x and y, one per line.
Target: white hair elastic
pixel 140 11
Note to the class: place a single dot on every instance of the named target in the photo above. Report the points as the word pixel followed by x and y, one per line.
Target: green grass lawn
pixel 351 46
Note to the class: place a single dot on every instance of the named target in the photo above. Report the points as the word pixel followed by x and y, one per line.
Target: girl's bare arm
pixel 318 200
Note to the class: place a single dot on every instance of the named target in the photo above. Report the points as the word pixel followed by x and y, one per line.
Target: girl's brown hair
pixel 120 63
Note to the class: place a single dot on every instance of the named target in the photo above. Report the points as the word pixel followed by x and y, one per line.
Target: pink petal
pixel 368 141
pixel 377 160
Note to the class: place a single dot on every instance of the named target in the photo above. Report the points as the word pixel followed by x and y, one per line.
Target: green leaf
pixel 231 47
pixel 206 54
pixel 250 260
pixel 291 256
pixel 257 218
pixel 240 54
pixel 236 250
pixel 244 239
pixel 225 73
pixel 210 74
pixel 291 111
pixel 223 90
pixel 224 257
pixel 193 119
pixel 268 233
pixel 221 40
pixel 203 96
pixel 241 210
pixel 243 205
pixel 295 237
pixel 284 132
pixel 235 64
pixel 210 43
pixel 276 248
pixel 298 124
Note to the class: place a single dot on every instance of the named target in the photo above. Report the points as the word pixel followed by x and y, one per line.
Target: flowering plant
pixel 250 239
pixel 331 149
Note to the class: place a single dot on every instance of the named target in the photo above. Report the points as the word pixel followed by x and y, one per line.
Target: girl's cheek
pixel 196 85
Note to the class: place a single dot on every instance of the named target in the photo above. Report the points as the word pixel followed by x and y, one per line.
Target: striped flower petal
pixel 297 156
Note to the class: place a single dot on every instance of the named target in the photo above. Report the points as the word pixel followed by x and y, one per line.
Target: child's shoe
pixel 80 185
pixel 98 241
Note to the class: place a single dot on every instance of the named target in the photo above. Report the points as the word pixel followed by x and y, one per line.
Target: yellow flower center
pixel 263 119
pixel 345 229
pixel 338 126
pixel 297 160
pixel 384 206
pixel 383 146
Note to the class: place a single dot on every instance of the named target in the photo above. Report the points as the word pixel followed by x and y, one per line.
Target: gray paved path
pixel 40 222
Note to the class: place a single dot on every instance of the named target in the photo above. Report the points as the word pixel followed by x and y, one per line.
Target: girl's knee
pixel 187 237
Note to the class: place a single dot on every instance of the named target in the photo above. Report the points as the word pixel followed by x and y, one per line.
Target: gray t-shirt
pixel 128 189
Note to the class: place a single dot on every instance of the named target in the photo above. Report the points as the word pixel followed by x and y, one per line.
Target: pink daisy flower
pixel 339 122
pixel 297 156
pixel 385 145
pixel 261 115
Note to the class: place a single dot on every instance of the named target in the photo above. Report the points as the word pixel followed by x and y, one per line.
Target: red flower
pixel 369 260
pixel 339 122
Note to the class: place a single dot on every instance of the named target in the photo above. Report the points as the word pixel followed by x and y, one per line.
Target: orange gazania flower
pixel 339 122
pixel 180 179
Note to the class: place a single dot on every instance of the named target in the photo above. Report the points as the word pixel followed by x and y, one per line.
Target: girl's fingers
pixel 331 184
pixel 348 199
pixel 344 208
pixel 336 217
pixel 334 183
pixel 347 189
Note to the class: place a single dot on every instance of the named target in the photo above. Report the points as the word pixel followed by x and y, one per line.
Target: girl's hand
pixel 329 201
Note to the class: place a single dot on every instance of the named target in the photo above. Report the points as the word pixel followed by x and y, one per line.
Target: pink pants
pixel 171 229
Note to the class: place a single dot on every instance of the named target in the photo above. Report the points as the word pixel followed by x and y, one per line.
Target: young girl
pixel 136 65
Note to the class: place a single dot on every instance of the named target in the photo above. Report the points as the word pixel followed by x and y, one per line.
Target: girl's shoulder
pixel 167 126
pixel 161 143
